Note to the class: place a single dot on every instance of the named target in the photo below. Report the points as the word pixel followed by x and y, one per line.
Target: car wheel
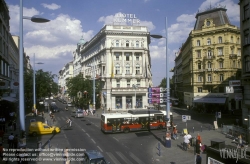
pixel 126 130
pixel 34 134
pixel 160 127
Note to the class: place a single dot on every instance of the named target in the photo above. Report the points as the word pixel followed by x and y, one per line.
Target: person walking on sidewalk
pixel 10 140
pixel 186 142
pixel 198 159
pixel 14 125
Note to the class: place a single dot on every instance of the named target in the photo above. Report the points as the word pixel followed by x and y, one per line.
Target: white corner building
pixel 120 57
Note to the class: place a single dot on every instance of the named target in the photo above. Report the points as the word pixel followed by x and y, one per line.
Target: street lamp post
pixel 36 19
pixel 34 81
pixel 167 73
pixel 93 65
pixel 135 87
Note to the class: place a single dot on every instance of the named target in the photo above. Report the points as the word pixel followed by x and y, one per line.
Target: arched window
pixel 117 69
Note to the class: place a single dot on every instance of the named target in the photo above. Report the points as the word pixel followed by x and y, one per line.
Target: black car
pixel 55 109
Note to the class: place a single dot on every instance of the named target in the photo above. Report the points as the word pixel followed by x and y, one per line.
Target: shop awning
pixel 211 100
pixel 10 99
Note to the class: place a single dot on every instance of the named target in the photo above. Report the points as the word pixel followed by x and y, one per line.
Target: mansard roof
pixel 218 15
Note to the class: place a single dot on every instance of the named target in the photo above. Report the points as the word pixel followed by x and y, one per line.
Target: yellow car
pixel 42 128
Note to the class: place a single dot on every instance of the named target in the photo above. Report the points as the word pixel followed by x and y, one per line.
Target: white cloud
pixel 51 6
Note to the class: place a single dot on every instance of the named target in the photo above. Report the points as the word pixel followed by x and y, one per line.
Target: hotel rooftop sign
pixel 126 18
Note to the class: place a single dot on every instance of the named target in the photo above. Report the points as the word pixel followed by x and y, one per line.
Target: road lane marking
pixel 87 134
pixel 93 141
pixel 83 130
pixel 123 157
pixel 65 136
pixel 135 158
pixel 112 157
pixel 99 148
pixel 116 139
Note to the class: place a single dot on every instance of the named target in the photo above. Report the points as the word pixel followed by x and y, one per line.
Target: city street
pixel 134 147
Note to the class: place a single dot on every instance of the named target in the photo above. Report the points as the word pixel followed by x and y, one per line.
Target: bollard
pixel 201 128
pixel 193 129
pixel 159 148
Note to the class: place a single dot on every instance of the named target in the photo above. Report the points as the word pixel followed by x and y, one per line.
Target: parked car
pixel 93 156
pixel 64 101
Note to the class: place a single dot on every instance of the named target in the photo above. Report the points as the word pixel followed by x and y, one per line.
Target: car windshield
pixel 98 161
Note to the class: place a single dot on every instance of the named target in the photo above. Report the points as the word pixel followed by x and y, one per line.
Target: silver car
pixel 79 114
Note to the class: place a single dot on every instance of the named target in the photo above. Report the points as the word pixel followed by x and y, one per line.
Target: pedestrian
pixel 198 142
pixel 168 138
pixel 175 131
pixel 198 159
pixel 14 125
pixel 10 125
pixel 2 123
pixel 185 142
pixel 190 139
pixel 15 141
pixel 10 140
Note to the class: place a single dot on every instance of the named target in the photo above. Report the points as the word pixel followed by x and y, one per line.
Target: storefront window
pixel 128 102
pixel 139 102
pixel 118 102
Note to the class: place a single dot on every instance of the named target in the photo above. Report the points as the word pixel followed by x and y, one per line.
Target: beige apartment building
pixel 209 62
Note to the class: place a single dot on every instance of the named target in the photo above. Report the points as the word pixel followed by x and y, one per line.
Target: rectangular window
pixel 198 43
pixel 117 56
pixel 246 12
pixel 220 51
pixel 127 56
pixel 200 89
pixel 220 40
pixel 239 52
pixel 209 53
pixel 138 83
pixel 199 65
pixel 137 57
pixel 246 37
pixel 208 41
pixel 247 64
pixel 127 69
pixel 221 64
pixel 209 78
pixel 234 64
pixel 209 65
pixel 137 44
pixel 198 54
pixel 221 77
pixel 137 70
pixel 128 83
pixel 199 78
pixel 118 83
pixel 117 69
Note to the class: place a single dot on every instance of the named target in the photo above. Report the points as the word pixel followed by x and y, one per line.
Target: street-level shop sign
pixel 157 95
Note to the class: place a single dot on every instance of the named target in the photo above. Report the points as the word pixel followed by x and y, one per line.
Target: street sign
pixel 157 95
pixel 184 118
pixel 188 117
pixel 157 89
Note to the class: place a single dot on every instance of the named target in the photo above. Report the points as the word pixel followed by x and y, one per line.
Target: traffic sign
pixel 184 118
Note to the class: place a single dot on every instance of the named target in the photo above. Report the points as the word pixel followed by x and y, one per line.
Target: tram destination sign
pixel 157 95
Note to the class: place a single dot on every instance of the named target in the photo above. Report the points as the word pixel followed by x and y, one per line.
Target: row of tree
pixel 45 87
pixel 81 90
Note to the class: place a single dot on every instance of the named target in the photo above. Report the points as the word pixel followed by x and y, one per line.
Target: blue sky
pixel 54 42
